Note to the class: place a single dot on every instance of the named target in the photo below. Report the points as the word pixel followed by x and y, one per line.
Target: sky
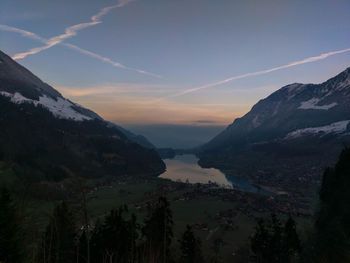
pixel 177 136
pixel 183 62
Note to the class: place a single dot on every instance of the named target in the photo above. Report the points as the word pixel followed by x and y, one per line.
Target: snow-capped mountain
pixel 287 139
pixel 293 111
pixel 54 137
pixel 21 86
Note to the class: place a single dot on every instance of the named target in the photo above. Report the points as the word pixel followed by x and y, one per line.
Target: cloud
pixel 131 110
pixel 124 2
pixel 127 103
pixel 72 31
pixel 112 89
pixel 204 121
pixel 34 36
pixel 262 72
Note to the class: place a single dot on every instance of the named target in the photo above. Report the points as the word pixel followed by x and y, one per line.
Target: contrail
pixel 71 31
pixel 289 65
pixel 76 48
pixel 22 32
pixel 109 61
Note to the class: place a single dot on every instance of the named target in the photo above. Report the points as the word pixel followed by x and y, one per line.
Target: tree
pixel 260 242
pixel 10 245
pixel 158 231
pixel 331 242
pixel 290 241
pixel 216 247
pixel 273 243
pixel 83 247
pixel 59 238
pixel 190 247
pixel 115 239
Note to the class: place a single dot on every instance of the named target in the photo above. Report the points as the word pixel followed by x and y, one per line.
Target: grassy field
pixel 202 209
pixel 186 211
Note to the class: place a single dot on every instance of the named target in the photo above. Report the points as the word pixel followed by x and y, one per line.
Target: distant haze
pixel 176 136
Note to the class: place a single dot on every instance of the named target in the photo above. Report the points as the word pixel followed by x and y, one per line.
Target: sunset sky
pixel 193 62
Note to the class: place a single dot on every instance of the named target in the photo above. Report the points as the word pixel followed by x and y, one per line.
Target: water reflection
pixel 184 168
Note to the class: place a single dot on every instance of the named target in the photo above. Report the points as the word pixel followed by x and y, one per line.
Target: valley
pixel 215 213
pixel 56 154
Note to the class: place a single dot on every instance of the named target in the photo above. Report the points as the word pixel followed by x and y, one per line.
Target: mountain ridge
pixel 292 107
pixel 47 138
pixel 286 140
pixel 22 86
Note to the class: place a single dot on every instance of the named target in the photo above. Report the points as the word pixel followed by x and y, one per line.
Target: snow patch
pixel 312 105
pixel 336 127
pixel 60 108
pixel 15 98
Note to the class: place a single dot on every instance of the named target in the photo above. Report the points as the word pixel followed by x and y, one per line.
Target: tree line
pixel 117 237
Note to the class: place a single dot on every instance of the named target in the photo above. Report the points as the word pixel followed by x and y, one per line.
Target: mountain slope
pixel 44 136
pixel 286 139
pixel 292 111
pixel 20 85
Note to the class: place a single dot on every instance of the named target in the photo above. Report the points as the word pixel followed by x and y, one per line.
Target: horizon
pixel 207 63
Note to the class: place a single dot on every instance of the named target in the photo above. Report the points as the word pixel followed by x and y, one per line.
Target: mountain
pixel 293 111
pixel 19 84
pixel 49 137
pixel 296 127
pixel 139 139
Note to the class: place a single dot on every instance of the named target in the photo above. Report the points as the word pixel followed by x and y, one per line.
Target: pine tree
pixel 10 245
pixel 59 239
pixel 158 231
pixel 96 243
pixel 190 247
pixel 273 243
pixel 260 242
pixel 115 239
pixel 82 248
pixel 216 247
pixel 290 242
pixel 332 238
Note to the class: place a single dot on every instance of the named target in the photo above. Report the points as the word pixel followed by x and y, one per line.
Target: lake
pixel 185 168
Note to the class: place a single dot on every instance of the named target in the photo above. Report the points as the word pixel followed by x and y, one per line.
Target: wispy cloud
pixel 72 31
pixel 34 36
pixel 205 121
pixel 130 109
pixel 127 103
pixel 111 89
pixel 262 72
